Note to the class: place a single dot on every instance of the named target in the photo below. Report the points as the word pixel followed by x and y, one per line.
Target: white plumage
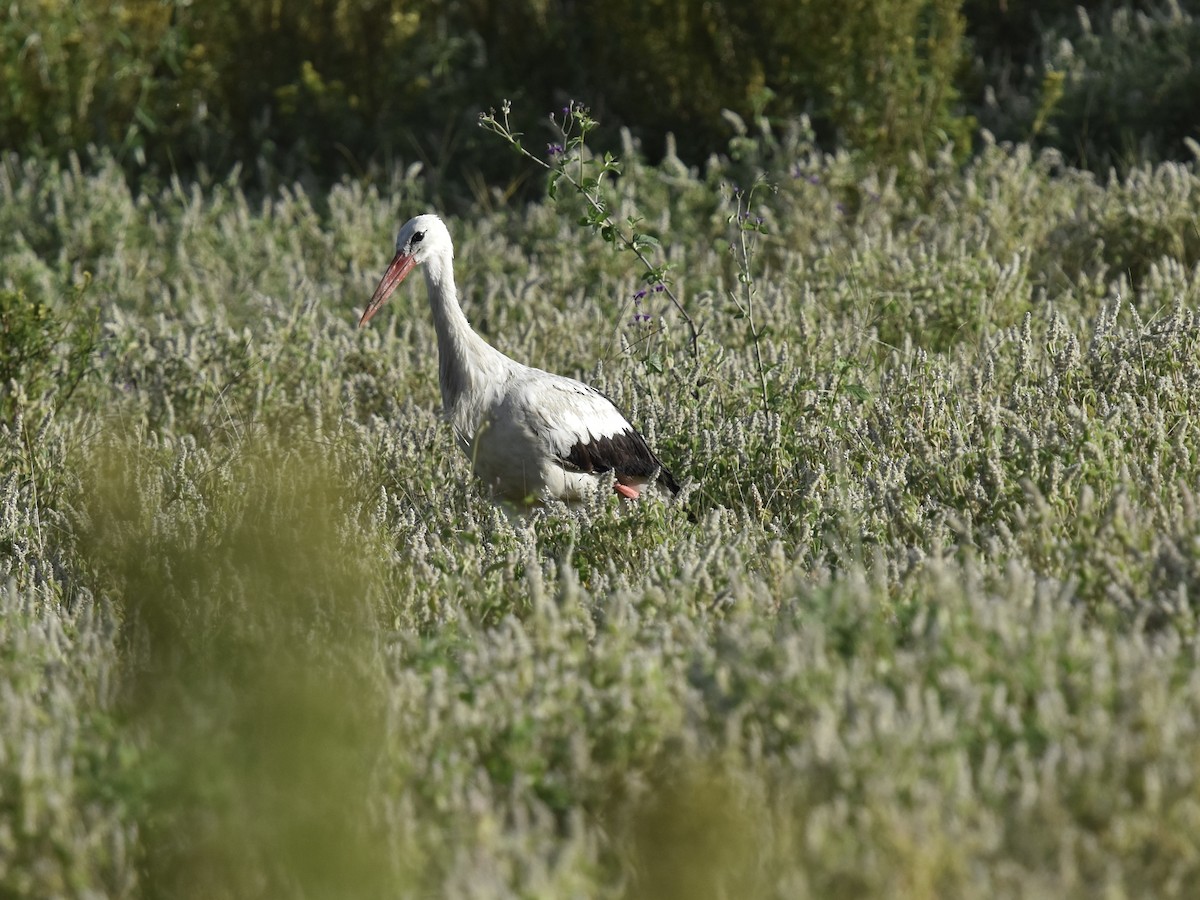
pixel 530 435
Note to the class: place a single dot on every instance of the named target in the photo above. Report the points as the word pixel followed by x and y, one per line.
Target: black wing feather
pixel 626 453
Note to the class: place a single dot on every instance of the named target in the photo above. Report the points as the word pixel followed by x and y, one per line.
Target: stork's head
pixel 421 239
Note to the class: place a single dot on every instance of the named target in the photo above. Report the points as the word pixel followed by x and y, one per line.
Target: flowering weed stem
pixel 749 227
pixel 568 162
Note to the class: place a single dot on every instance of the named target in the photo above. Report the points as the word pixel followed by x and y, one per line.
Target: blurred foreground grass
pixel 933 632
pixel 253 669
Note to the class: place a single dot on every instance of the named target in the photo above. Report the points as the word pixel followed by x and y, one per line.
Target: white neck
pixel 466 362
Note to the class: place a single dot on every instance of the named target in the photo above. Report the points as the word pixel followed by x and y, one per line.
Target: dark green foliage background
pixel 323 87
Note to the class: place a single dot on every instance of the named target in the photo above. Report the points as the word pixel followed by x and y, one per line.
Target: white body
pixel 518 431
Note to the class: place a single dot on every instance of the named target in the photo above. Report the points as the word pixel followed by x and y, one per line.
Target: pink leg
pixel 627 491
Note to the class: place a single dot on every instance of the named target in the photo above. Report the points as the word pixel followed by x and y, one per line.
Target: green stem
pixel 628 242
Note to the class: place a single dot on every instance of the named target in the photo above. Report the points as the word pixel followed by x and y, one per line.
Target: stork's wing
pixel 586 432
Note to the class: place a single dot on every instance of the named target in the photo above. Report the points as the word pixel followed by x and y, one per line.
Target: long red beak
pixel 395 274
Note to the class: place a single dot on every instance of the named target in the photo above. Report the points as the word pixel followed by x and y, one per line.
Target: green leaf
pixel 857 391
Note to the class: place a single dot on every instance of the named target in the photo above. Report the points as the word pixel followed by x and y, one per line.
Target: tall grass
pixel 931 633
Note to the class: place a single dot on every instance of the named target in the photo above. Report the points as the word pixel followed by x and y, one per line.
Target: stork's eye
pixel 418 237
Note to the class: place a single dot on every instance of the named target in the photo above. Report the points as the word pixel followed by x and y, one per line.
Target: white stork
pixel 530 435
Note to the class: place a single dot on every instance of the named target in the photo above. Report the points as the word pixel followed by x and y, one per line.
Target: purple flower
pixel 641 315
pixel 659 288
pixel 554 149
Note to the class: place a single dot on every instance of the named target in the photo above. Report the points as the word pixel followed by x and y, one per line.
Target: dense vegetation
pixel 932 633
pixel 320 88
pixel 923 622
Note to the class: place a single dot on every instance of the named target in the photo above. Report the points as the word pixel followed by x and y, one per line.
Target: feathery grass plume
pixel 933 632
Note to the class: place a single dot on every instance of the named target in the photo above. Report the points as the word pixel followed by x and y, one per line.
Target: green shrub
pixel 1107 84
pixel 878 76
pixel 340 86
pixel 43 351
pixel 75 74
pixel 185 87
pixel 317 89
pixel 1130 85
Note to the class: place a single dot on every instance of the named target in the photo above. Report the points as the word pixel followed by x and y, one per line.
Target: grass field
pixel 932 633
